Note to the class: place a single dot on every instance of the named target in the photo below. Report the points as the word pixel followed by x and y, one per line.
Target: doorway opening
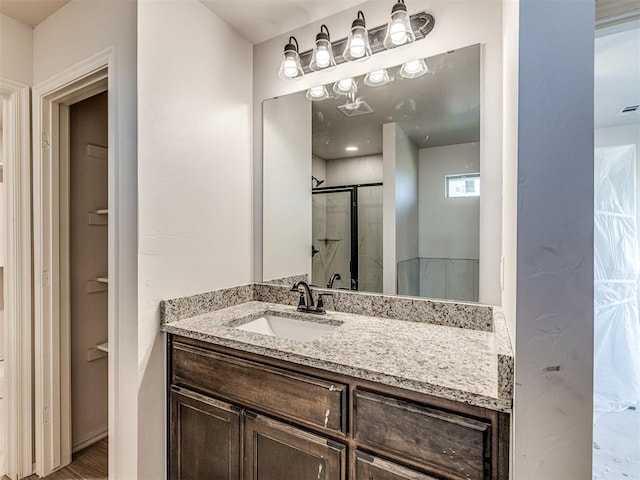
pixel 74 255
pixel 616 431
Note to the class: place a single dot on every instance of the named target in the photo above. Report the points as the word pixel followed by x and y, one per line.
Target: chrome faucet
pixel 334 277
pixel 306 303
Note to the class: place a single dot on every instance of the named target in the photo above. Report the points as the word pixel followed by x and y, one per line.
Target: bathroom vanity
pixel 394 388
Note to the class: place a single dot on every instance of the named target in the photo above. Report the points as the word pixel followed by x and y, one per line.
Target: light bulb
pixel 398 33
pixel 317 91
pixel 377 76
pixel 323 58
pixel 290 67
pixel 357 47
pixel 412 66
pixel 345 84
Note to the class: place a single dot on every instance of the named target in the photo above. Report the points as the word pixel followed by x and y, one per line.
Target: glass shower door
pixel 331 234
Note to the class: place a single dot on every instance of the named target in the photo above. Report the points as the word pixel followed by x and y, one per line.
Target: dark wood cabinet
pixel 453 445
pixel 285 421
pixel 369 467
pixel 276 451
pixel 204 438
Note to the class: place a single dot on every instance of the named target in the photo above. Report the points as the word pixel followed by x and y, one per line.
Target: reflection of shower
pixel 318 182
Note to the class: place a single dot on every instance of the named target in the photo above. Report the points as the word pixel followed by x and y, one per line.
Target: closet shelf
pixel 99 217
pixel 96 352
pixel 100 284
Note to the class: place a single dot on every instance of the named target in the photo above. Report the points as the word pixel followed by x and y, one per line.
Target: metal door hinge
pixel 45 278
pixel 45 140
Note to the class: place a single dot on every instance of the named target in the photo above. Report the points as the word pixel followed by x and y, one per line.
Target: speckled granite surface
pixel 288 280
pixel 185 307
pixel 438 312
pixel 461 364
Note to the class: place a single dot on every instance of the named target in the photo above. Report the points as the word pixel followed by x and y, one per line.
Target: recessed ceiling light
pixel 351 148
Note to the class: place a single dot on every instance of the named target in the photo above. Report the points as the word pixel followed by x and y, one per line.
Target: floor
pixel 89 464
pixel 616 446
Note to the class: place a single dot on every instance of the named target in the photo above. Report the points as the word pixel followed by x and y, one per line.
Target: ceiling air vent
pixel 630 109
pixel 355 108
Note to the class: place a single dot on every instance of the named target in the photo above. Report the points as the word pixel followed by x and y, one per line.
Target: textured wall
pixel 554 330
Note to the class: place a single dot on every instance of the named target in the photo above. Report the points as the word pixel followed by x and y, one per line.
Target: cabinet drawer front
pixel 374 468
pixel 205 438
pixel 277 451
pixel 448 444
pixel 306 400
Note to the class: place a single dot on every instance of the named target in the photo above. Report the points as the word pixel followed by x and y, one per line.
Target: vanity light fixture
pixel 359 45
pixel 358 48
pixel 345 86
pixel 377 78
pixel 413 69
pixel 322 58
pixel 317 93
pixel 399 31
pixel 291 68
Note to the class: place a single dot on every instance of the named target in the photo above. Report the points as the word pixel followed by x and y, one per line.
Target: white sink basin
pixel 291 328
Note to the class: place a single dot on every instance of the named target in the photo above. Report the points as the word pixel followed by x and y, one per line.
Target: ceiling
pixel 260 20
pixel 617 76
pixel 439 108
pixel 30 12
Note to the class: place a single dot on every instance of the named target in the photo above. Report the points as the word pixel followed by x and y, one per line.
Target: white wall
pixel 318 168
pixel 77 31
pixel 399 204
pixel 554 330
pixel 354 170
pixel 622 135
pixel 16 50
pixel 458 24
pixel 194 101
pixel 449 227
pixel 406 178
pixel 510 32
pixel 287 179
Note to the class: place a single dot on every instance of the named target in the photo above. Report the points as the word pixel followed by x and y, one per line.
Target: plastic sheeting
pixel 616 269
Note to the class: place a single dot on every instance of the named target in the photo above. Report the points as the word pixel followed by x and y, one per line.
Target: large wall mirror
pixel 373 183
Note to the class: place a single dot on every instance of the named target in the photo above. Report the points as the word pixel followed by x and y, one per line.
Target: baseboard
pixel 87 442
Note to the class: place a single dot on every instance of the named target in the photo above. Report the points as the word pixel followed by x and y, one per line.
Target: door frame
pixel 51 100
pixel 17 284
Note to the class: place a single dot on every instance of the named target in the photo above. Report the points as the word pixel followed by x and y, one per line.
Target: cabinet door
pixel 277 451
pixel 374 468
pixel 205 438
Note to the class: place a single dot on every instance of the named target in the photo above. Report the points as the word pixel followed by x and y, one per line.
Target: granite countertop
pixel 460 364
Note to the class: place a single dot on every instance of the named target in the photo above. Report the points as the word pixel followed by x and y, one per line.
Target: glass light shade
pixel 357 48
pixel 291 68
pixel 322 57
pixel 317 93
pixel 413 69
pixel 345 86
pixel 377 78
pixel 399 30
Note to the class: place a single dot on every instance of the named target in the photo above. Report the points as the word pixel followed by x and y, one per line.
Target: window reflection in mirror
pixel 374 184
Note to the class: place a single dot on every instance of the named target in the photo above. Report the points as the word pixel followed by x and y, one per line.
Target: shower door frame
pixel 353 191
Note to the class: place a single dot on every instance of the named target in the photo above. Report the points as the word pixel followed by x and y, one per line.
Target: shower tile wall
pixel 370 239
pixel 408 277
pixel 455 279
pixel 432 275
pixel 332 238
